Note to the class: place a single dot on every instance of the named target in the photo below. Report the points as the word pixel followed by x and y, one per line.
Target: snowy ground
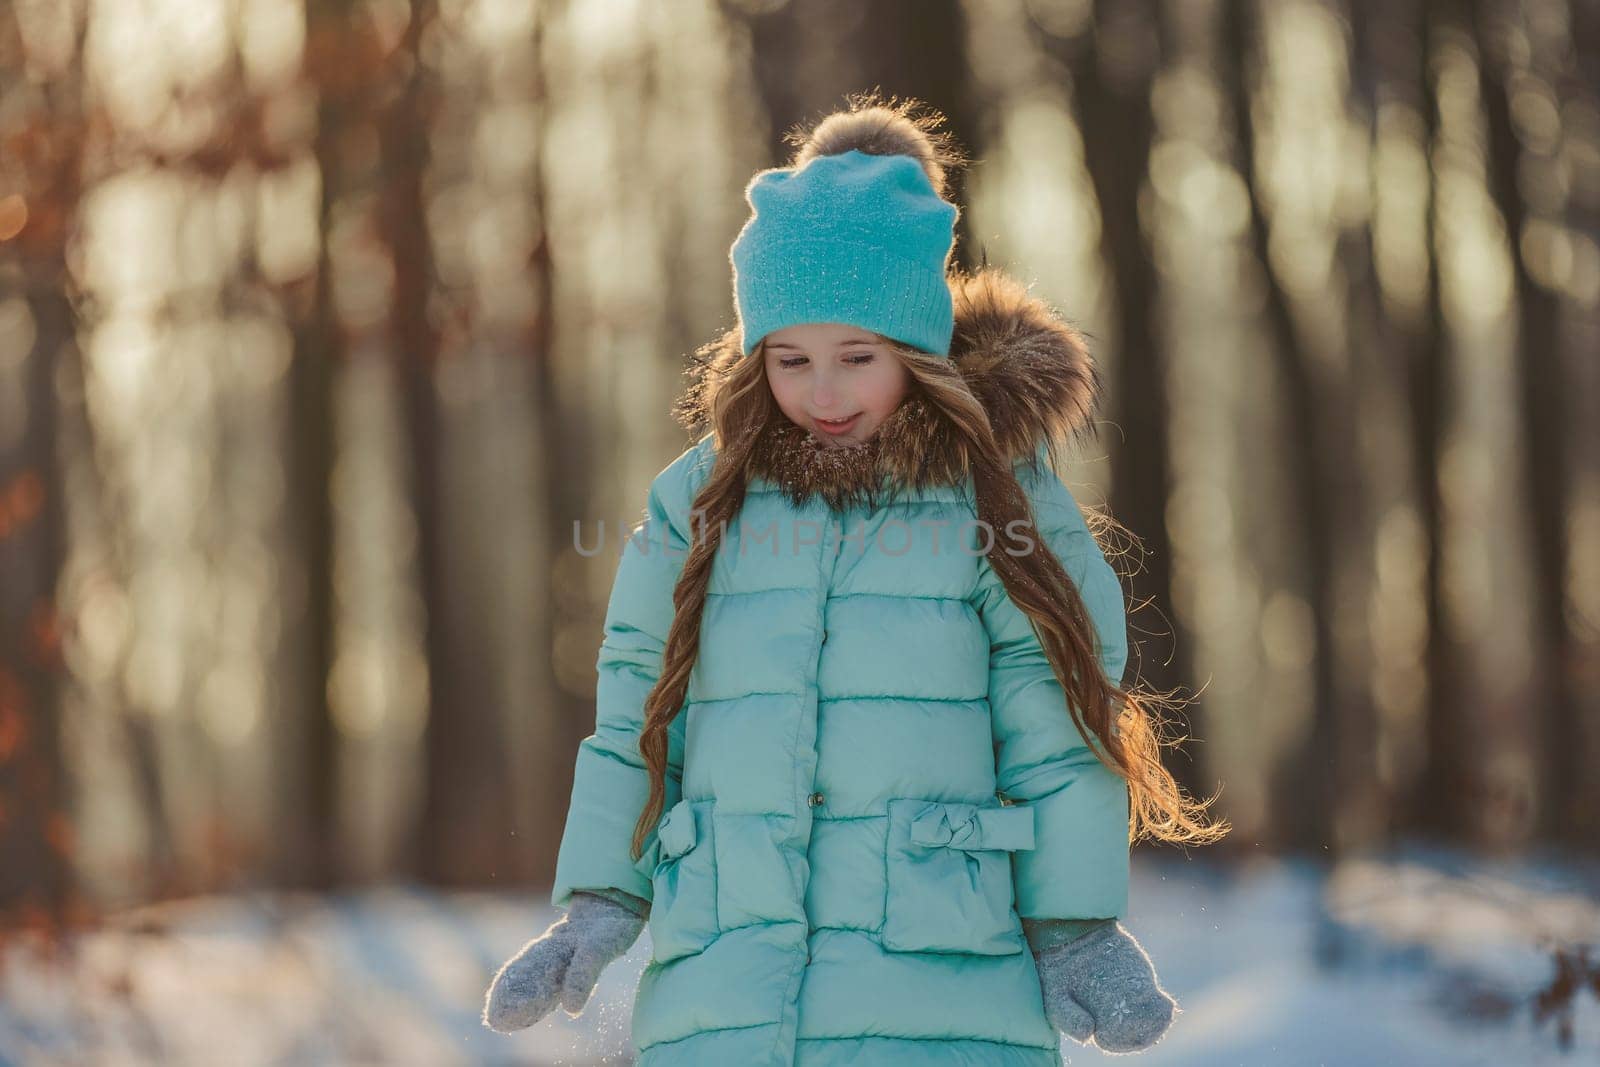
pixel 1426 959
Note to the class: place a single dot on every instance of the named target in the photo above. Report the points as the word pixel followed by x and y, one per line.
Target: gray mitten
pixel 1101 985
pixel 562 964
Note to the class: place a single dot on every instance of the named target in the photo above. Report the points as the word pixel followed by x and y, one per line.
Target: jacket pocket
pixel 948 877
pixel 683 911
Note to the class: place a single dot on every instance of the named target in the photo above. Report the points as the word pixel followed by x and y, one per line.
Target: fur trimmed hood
pixel 1030 369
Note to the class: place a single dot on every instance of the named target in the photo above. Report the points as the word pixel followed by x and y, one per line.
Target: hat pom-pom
pixel 882 129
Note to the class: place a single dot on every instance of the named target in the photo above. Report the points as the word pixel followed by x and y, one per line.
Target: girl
pixel 853 661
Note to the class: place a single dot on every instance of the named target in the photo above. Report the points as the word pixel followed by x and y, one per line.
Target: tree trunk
pixel 465 808
pixel 1309 774
pixel 1113 110
pixel 1553 709
pixel 35 832
pixel 318 347
pixel 1443 796
pixel 36 878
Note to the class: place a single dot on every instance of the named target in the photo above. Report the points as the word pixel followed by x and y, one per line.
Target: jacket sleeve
pixel 1078 868
pixel 610 782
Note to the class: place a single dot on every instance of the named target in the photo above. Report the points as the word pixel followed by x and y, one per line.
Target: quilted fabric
pixel 874 779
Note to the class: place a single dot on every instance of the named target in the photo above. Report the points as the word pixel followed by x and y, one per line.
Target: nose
pixel 823 390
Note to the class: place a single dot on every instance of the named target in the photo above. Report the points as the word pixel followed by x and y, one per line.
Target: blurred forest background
pixel 323 321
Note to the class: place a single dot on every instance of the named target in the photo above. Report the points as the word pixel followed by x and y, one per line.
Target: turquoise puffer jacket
pixel 875 776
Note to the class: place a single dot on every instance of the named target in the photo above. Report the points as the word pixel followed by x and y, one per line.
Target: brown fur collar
pixel 1030 369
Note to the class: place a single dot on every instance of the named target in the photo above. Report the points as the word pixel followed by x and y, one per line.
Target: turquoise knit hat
pixel 852 238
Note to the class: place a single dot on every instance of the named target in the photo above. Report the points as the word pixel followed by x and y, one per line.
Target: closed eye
pixel 855 359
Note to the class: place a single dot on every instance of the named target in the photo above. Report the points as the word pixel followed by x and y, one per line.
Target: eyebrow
pixel 842 344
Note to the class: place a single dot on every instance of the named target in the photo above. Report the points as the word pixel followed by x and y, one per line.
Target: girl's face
pixel 822 372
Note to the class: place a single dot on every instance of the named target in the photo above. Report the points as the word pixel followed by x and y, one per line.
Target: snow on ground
pixel 1419 959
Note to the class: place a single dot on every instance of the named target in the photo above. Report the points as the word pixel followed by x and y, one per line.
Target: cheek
pixel 785 393
pixel 886 392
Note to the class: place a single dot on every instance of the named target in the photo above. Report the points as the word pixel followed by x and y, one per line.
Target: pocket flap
pixel 967 826
pixel 676 830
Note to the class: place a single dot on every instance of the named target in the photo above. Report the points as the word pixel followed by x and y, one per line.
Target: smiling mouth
pixel 837 425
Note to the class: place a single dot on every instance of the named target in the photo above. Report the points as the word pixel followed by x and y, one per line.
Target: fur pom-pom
pixel 882 128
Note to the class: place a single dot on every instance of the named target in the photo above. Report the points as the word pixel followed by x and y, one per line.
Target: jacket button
pixel 814 799
pixel 824 637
